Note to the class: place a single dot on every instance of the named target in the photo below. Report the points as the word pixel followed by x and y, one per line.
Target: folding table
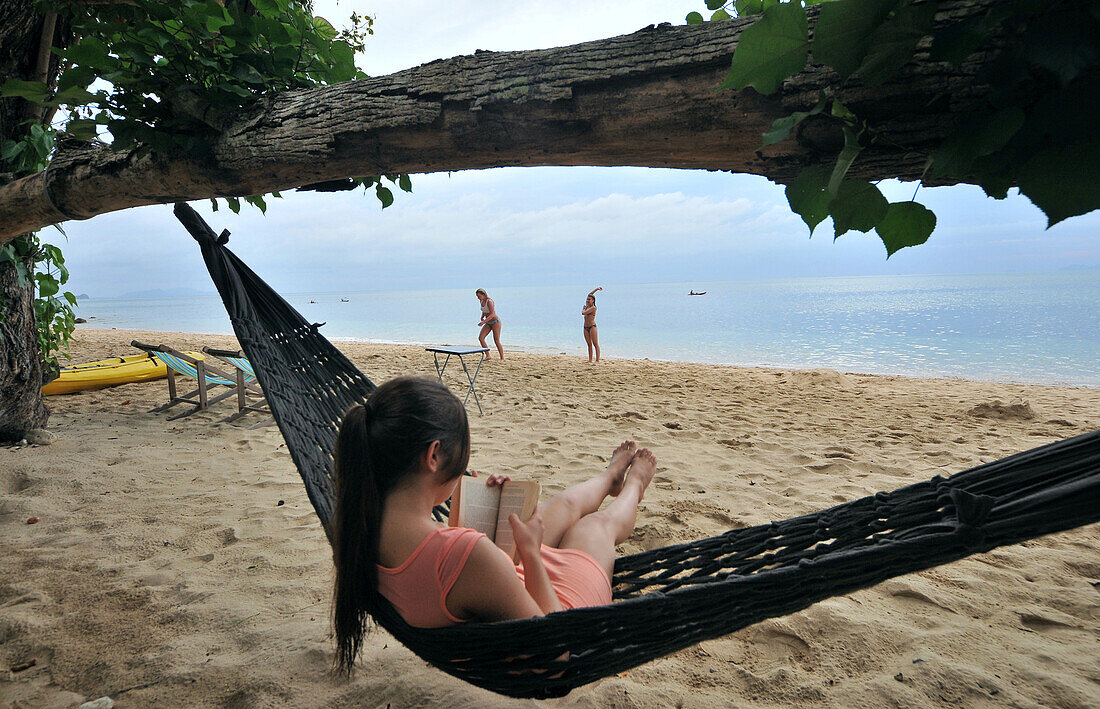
pixel 460 352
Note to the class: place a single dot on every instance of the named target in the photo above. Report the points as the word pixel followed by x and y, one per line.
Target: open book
pixel 486 509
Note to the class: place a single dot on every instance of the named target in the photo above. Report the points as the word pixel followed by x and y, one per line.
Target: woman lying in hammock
pixel 403 453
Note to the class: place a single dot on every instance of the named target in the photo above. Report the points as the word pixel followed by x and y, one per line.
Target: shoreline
pixel 181 563
pixel 555 352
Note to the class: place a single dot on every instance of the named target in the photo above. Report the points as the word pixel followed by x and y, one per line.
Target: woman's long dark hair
pixel 379 444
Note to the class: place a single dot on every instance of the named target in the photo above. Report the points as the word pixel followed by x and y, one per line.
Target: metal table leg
pixel 473 379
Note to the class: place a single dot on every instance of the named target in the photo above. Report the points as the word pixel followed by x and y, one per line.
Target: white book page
pixel 477 506
pixel 520 498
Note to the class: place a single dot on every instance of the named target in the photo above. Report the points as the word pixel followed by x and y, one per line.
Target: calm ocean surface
pixel 1035 328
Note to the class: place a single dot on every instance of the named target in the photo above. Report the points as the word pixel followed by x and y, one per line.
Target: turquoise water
pixel 1036 328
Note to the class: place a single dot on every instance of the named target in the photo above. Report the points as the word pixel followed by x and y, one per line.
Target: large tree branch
pixel 645 99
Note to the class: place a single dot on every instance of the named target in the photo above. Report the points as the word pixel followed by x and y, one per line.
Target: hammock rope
pixel 675 596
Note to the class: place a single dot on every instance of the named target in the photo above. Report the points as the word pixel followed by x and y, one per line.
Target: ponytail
pixel 378 445
pixel 353 528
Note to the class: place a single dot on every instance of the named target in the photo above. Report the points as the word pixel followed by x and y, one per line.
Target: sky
pixel 550 225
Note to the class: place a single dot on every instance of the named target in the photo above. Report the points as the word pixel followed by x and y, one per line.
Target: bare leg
pixel 564 509
pixel 588 341
pixel 596 342
pixel 485 330
pixel 496 339
pixel 598 533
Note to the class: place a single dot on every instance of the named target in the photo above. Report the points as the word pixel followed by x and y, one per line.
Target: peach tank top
pixel 418 588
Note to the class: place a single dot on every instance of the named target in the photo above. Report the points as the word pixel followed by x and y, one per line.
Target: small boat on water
pixel 694 293
pixel 344 300
pixel 107 373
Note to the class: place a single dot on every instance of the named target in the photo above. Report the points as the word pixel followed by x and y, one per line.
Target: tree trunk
pixel 645 99
pixel 21 371
pixel 21 404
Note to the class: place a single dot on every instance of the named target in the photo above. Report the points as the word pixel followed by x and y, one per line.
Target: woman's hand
pixel 528 535
pixel 496 480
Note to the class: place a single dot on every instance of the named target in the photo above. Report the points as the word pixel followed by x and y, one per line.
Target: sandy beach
pixel 180 563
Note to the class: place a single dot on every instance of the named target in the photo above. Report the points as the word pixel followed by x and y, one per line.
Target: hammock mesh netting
pixel 672 597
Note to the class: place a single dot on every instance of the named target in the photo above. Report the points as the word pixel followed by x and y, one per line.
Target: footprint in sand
pixel 1043 624
pixel 774 645
pixel 627 415
pixel 16 481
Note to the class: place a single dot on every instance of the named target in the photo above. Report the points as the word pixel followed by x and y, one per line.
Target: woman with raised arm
pixel 490 321
pixel 591 334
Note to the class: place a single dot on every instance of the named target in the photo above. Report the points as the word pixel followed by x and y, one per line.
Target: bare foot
pixel 620 461
pixel 643 466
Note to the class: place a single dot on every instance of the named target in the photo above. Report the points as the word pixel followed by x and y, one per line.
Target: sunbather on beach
pixel 490 321
pixel 591 334
pixel 401 454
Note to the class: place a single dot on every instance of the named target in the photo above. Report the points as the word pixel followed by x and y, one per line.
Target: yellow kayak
pixel 107 373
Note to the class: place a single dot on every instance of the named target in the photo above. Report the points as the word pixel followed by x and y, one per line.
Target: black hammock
pixel 673 597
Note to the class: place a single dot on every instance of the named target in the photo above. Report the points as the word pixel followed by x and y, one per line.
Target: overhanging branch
pixel 645 99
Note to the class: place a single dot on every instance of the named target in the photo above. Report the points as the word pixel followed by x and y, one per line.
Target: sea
pixel 1041 328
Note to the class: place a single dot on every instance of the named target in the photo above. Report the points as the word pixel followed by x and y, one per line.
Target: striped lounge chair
pixel 194 366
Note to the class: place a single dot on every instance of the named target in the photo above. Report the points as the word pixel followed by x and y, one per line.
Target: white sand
pixel 164 571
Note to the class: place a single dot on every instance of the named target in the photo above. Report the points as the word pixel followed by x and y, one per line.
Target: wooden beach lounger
pixel 246 384
pixel 206 377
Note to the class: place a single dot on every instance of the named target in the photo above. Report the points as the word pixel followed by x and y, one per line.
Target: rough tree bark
pixel 645 99
pixel 21 371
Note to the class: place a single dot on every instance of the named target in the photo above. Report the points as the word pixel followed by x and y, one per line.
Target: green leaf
pixel 694 18
pixel 774 48
pixel 858 205
pixel 982 135
pixel 12 149
pixel 267 8
pixel 234 204
pixel 405 183
pixel 719 15
pixel 958 41
pixel 384 195
pixel 47 285
pixel 845 159
pixel 905 224
pixel 90 53
pixel 80 77
pixel 1063 181
pixel 892 45
pixel 324 28
pixel 748 7
pixel 34 91
pixel 844 29
pixel 81 128
pixel 73 96
pixel 258 202
pixel 715 4
pixel 808 197
pixel 782 127
pixel 1065 43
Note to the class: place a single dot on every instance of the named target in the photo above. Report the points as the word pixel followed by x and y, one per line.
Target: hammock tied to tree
pixel 676 596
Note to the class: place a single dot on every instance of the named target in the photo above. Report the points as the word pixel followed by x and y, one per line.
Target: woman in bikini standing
pixel 490 321
pixel 591 334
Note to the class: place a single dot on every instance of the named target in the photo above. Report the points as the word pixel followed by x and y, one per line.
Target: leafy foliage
pixel 175 72
pixel 37 261
pixel 1037 132
pixel 164 77
pixel 773 49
